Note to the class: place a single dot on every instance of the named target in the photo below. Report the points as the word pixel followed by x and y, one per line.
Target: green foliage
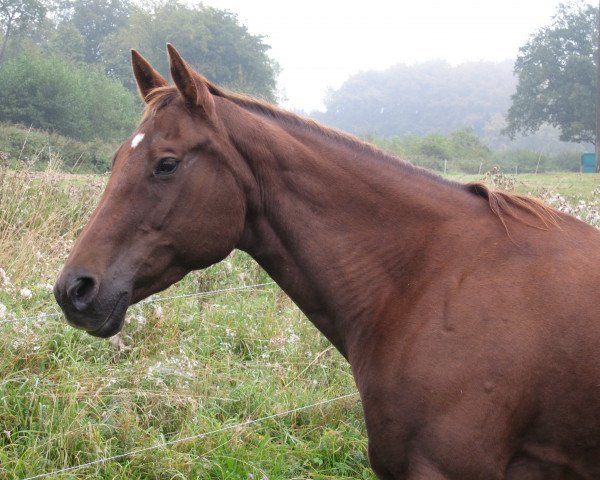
pixel 17 17
pixel 212 40
pixel 557 76
pixel 462 151
pixel 67 41
pixel 94 20
pixel 19 144
pixel 421 99
pixel 528 161
pixel 66 68
pixel 52 93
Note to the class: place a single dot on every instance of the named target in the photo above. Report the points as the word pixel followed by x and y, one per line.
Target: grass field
pixel 573 186
pixel 182 367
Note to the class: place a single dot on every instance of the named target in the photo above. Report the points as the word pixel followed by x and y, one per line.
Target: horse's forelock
pixel 159 98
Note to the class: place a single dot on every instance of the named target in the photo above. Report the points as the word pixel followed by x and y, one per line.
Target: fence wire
pixel 192 437
pixel 149 300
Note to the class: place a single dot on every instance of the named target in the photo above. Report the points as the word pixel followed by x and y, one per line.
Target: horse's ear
pixel 146 77
pixel 190 84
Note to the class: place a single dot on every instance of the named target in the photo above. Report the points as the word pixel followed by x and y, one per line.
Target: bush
pixel 458 151
pixel 462 151
pixel 62 96
pixel 21 144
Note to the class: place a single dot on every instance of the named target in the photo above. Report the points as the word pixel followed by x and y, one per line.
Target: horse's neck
pixel 338 229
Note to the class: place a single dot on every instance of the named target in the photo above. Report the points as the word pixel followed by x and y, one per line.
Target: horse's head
pixel 174 202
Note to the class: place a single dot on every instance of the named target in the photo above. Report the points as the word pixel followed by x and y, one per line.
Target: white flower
pixel 293 338
pixel 25 293
pixel 4 278
pixel 2 310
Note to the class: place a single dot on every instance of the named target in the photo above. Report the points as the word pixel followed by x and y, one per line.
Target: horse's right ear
pixel 146 77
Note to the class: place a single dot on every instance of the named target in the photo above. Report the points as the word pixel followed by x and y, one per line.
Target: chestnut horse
pixel 470 318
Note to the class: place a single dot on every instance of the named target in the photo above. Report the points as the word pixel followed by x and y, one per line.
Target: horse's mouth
pixel 114 322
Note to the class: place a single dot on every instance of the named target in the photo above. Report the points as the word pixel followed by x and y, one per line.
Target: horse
pixel 469 317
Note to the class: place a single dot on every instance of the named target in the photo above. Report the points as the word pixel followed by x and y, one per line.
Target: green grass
pixel 573 186
pixel 181 367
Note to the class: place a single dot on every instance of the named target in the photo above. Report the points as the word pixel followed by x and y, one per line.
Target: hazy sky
pixel 319 44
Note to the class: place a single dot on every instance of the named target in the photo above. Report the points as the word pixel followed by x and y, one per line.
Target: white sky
pixel 319 44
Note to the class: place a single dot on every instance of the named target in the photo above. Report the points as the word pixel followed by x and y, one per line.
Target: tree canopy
pixel 212 40
pixel 556 72
pixel 56 94
pixel 95 20
pixel 68 66
pixel 15 17
pixel 421 99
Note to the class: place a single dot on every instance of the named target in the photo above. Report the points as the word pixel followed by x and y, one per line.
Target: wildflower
pixel 293 338
pixel 2 310
pixel 4 279
pixel 25 293
pixel 116 342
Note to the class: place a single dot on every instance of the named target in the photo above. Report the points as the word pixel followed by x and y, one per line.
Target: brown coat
pixel 470 318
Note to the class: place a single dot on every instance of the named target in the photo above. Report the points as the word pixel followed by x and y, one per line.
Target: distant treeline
pixel 65 77
pixel 433 98
pixel 457 152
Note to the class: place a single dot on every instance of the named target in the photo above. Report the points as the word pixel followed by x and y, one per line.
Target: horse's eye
pixel 166 166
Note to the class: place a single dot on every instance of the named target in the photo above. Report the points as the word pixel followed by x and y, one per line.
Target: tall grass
pixel 181 367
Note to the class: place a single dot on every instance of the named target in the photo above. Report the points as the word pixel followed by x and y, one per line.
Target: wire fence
pixel 149 300
pixel 193 437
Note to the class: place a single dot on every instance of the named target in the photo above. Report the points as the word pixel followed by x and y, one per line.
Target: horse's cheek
pixel 213 228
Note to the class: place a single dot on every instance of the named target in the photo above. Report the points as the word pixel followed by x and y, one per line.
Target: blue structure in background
pixel 588 163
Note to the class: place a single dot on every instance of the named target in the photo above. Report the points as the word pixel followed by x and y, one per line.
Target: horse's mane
pixel 162 96
pixel 525 209
pixel 522 208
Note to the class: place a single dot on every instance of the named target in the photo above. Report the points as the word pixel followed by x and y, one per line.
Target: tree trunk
pixel 5 39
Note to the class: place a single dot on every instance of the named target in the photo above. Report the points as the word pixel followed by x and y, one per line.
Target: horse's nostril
pixel 83 286
pixel 82 292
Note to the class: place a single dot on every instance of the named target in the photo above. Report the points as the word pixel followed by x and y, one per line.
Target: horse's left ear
pixel 146 77
pixel 190 84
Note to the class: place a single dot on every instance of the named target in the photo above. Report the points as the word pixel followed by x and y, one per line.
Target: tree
pixel 212 40
pixel 556 72
pixel 421 99
pixel 16 16
pixel 74 99
pixel 66 40
pixel 95 20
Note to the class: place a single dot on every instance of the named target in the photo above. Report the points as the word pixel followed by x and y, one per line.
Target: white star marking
pixel 137 139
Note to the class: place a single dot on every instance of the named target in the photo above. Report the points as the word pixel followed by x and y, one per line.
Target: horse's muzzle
pixel 90 305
